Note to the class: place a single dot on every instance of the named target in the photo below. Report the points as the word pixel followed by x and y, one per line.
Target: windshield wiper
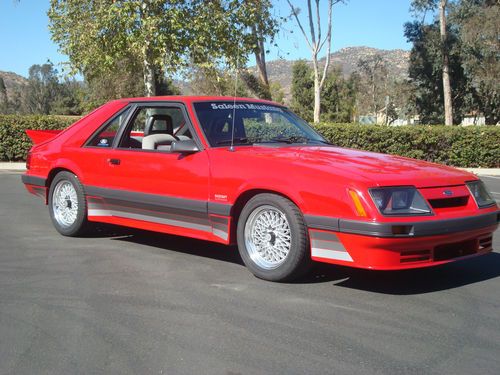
pixel 293 139
pixel 235 140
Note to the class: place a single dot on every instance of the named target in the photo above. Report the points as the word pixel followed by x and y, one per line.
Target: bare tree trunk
pixel 448 105
pixel 149 75
pixel 260 58
pixel 315 46
pixel 317 92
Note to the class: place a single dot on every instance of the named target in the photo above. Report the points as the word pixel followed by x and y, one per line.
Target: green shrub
pixel 14 143
pixel 472 146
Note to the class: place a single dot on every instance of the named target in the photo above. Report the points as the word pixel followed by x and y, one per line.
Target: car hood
pixel 369 167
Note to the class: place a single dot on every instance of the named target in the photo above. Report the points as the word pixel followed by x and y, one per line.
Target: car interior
pixel 156 129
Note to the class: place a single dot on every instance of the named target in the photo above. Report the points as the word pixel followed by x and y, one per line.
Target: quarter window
pixel 107 135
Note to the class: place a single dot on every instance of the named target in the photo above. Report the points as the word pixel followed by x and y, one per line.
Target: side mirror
pixel 185 146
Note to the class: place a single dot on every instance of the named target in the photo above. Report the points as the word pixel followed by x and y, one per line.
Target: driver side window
pixel 155 128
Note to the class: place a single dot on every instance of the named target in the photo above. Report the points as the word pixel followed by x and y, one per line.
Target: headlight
pixel 400 201
pixel 480 194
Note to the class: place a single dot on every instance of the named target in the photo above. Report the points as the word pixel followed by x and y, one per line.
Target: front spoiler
pixel 403 229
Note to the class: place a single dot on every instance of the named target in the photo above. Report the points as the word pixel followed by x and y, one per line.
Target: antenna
pixel 234 98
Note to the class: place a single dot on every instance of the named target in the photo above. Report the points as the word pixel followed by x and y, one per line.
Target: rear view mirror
pixel 187 146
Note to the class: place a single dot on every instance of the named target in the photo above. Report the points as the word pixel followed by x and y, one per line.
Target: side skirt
pixel 160 218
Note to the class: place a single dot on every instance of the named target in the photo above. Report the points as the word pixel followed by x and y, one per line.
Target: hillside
pixel 347 59
pixel 12 82
pixel 281 70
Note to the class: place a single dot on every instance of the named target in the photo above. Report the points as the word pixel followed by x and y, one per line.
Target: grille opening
pixel 415 256
pixel 486 243
pixel 402 229
pixel 455 250
pixel 449 202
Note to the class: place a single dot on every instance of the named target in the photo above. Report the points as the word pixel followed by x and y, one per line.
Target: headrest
pixel 159 124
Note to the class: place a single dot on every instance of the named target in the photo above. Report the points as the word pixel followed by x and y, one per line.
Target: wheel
pixel 67 205
pixel 272 238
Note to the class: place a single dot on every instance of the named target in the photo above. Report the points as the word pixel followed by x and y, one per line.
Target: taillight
pixel 28 160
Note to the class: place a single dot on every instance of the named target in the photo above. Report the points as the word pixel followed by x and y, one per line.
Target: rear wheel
pixel 67 205
pixel 272 238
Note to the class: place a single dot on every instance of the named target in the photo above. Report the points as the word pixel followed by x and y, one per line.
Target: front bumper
pixel 395 246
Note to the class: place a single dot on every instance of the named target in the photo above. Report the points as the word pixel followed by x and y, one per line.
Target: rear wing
pixel 39 136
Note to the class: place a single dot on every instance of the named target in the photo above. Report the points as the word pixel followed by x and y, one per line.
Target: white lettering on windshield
pixel 260 107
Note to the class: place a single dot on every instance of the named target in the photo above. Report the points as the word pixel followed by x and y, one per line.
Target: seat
pixel 151 142
pixel 158 132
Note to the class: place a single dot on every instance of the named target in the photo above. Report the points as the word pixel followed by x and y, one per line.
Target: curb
pixel 494 172
pixel 8 166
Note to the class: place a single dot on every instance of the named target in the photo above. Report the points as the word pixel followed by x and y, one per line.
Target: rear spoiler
pixel 39 136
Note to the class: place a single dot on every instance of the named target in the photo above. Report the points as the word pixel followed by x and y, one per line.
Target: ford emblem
pixel 448 193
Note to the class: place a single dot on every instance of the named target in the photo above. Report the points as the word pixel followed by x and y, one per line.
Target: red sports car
pixel 251 172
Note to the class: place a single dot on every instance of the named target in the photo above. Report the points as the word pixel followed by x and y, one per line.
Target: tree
pixel 42 88
pixel 255 86
pixel 316 44
pixel 4 103
pixel 302 90
pixel 374 77
pixel 263 25
pixel 69 98
pixel 277 93
pixel 210 80
pixel 478 30
pixel 425 72
pixel 427 5
pixel 164 36
pixel 339 97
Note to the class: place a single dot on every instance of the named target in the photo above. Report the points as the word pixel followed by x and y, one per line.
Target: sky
pixel 25 38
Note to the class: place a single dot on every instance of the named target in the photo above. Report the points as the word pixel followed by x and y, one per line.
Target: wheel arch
pixel 243 199
pixel 50 177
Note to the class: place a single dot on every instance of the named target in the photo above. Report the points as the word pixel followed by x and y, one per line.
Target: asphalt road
pixel 134 302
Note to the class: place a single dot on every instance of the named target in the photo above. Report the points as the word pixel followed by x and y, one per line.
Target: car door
pixel 135 184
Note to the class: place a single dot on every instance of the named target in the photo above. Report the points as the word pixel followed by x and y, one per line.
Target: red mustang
pixel 251 172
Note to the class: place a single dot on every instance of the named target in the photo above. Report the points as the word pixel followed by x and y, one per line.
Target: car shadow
pixel 168 242
pixel 407 282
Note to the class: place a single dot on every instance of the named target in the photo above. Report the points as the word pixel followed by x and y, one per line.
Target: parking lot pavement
pixel 493 184
pixel 127 301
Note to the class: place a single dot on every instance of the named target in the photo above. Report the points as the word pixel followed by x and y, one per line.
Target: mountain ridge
pixel 346 59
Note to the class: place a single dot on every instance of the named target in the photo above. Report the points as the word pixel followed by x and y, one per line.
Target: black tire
pixel 80 225
pixel 298 261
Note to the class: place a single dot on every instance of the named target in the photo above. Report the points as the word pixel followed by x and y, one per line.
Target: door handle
pixel 114 161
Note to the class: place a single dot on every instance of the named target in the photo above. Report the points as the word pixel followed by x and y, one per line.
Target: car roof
pixel 190 99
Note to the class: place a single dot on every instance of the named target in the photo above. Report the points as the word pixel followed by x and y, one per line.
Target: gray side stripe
pixel 154 201
pixel 218 226
pixel 150 199
pixel 219 208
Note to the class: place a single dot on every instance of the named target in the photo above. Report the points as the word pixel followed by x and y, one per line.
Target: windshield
pixel 253 123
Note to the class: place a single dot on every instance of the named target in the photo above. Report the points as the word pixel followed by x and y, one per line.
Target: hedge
pixel 14 143
pixel 472 146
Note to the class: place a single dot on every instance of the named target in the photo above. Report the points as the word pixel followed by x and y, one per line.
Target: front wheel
pixel 67 205
pixel 272 238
